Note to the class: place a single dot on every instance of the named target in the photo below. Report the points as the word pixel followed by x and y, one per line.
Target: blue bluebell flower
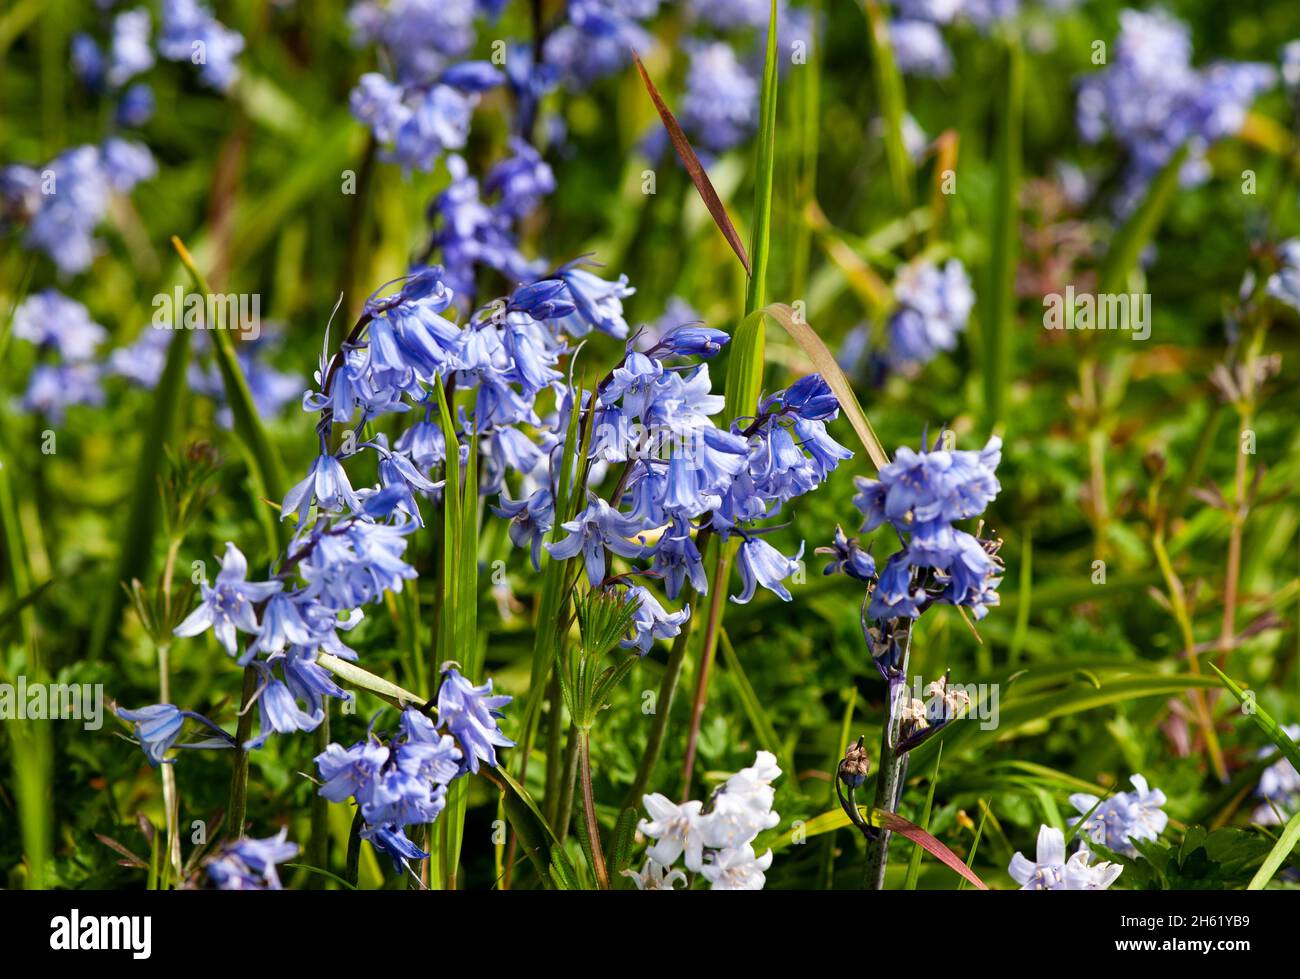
pixel 598 303
pixel 229 606
pixel 250 865
pixel 849 558
pixel 597 528
pixel 934 306
pixel 762 564
pixel 651 620
pixel 1123 817
pixel 520 180
pixel 129 53
pixel 470 714
pixel 720 109
pixel 473 76
pixel 190 31
pixel 677 559
pixel 691 340
pixel 51 320
pixel 158 729
pixel 919 49
pixel 325 485
pixel 87 61
pixel 136 107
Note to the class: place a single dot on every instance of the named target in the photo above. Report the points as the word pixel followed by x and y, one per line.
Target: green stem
pixel 889 776
pixel 589 810
pixel 239 777
pixel 663 707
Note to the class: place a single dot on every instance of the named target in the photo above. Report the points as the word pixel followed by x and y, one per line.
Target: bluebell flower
pixel 438 121
pixel 635 374
pixel 129 53
pixel 825 453
pixel 87 61
pixel 520 181
pixel 895 596
pixel 472 76
pixel 849 558
pixel 690 341
pixel 919 49
pixel 470 714
pixel 188 29
pixel 250 865
pixel 934 306
pixel 308 681
pixel 127 163
pixel 53 388
pixel 1279 786
pixel 51 320
pixel 530 519
pixel 420 36
pixel 136 107
pixel 677 559
pixel 597 38
pixel 1151 100
pixel 598 303
pixel 591 532
pixel 651 621
pixel 278 709
pixel 1284 284
pixel 394 843
pixel 228 607
pixel 809 398
pixel 326 485
pixel 1123 817
pixel 158 728
pixel 762 564
pixel 542 300
pixel 720 109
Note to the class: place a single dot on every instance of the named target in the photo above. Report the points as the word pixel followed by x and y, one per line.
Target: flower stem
pixel 712 626
pixel 239 777
pixel 589 809
pixel 889 776
pixel 663 707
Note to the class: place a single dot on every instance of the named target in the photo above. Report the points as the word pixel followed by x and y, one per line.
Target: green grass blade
pixel 914 861
pixel 999 320
pixel 889 90
pixel 761 232
pixel 1126 249
pixel 135 554
pixel 1290 750
pixel 1278 855
pixel 264 463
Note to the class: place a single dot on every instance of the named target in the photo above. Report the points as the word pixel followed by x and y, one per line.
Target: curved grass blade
pixel 534 833
pixel 1278 855
pixel 761 232
pixel 1126 248
pixel 1290 750
pixel 263 461
pixel 824 361
pixel 694 169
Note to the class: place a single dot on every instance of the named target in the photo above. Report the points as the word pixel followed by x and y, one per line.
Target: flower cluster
pixel 1050 871
pixel 933 306
pixel 404 782
pixel 1122 818
pixel 66 339
pixel 715 839
pixel 921 495
pixel 63 203
pixel 250 865
pixel 1152 100
pixel 919 45
pixel 190 33
pixel 1279 786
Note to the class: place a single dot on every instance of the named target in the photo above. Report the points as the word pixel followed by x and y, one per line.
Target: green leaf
pixel 889 90
pixel 1000 319
pixel 766 164
pixel 1125 250
pixel 914 861
pixel 135 552
pixel 535 835
pixel 1270 727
